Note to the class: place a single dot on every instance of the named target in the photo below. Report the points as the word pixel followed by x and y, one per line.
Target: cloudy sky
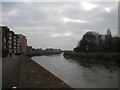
pixel 59 24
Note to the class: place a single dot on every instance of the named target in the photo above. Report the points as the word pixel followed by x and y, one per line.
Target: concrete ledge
pixel 33 75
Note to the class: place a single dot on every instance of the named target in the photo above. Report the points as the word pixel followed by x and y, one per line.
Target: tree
pixel 99 43
pixel 109 33
pixel 94 42
pixel 116 44
pixel 108 41
pixel 87 43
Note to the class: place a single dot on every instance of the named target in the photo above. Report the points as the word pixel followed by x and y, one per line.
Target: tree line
pixel 95 42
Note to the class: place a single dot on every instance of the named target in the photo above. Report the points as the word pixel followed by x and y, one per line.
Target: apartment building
pixel 23 43
pixel 10 41
pixel 4 37
pixel 15 43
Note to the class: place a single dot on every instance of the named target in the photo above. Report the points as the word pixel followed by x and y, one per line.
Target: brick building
pixel 4 37
pixel 23 43
pixel 15 43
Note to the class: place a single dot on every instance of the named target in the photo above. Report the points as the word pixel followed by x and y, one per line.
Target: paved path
pixel 23 72
pixel 0 72
pixel 33 75
pixel 10 71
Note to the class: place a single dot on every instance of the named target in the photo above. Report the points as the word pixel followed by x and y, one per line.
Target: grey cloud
pixel 39 21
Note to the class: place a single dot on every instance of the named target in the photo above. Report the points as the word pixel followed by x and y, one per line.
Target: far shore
pixel 97 55
pixel 111 59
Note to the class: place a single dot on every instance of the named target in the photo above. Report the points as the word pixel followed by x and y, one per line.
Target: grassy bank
pixel 109 56
pixel 111 59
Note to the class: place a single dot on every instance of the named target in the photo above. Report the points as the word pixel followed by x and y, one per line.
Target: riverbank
pixel 10 71
pixel 95 58
pixel 94 55
pixel 33 75
pixel 22 72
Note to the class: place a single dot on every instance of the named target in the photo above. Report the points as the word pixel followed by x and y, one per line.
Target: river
pixel 78 75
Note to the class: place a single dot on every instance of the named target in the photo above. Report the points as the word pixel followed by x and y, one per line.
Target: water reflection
pixel 92 65
pixel 79 74
pixel 53 55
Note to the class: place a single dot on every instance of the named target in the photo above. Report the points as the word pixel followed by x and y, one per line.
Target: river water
pixel 78 75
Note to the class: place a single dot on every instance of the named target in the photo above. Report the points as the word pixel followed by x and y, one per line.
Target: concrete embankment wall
pixel 33 75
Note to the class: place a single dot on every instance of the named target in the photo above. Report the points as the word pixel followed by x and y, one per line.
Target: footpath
pixel 22 72
pixel 10 71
